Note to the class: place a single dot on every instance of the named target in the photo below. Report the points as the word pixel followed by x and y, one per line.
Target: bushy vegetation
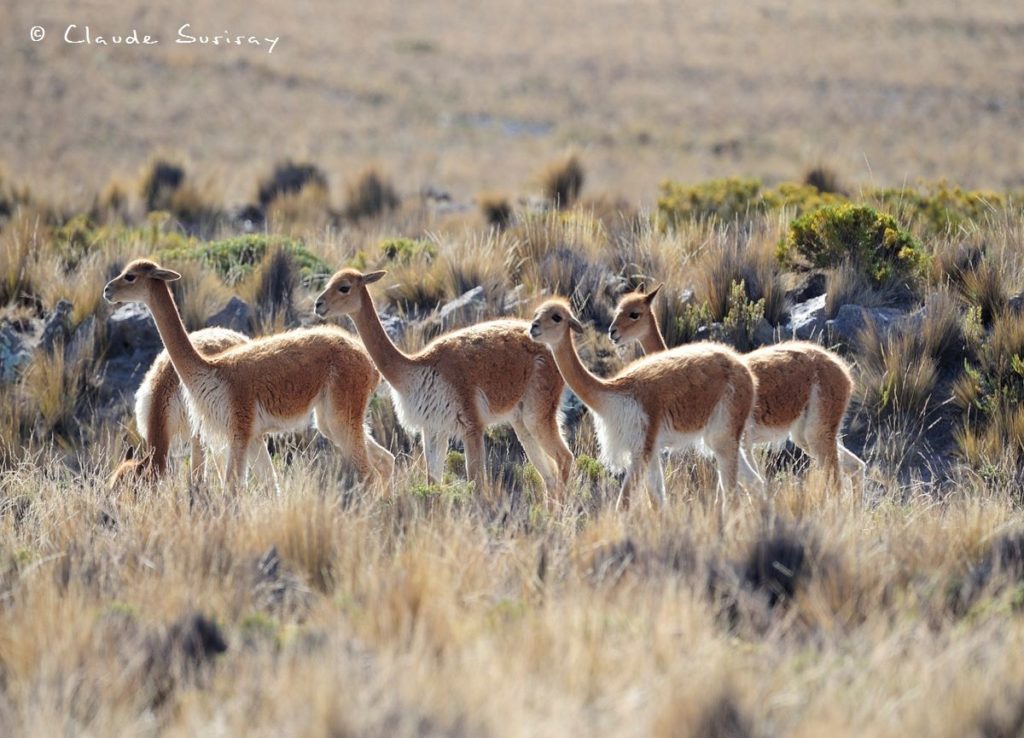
pixel 872 241
pixel 235 258
pixel 737 197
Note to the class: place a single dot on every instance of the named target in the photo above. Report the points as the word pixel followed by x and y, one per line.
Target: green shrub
pixel 405 250
pixel 938 208
pixel 235 258
pixel 800 198
pixel 725 199
pixel 737 197
pixel 870 240
pixel 742 317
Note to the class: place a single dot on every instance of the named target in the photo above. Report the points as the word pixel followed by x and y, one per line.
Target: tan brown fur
pixel 463 382
pixel 803 390
pixel 161 412
pixel 266 385
pixel 701 392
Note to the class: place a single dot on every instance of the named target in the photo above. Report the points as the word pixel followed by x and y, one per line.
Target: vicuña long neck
pixel 589 388
pixel 391 362
pixel 652 341
pixel 188 363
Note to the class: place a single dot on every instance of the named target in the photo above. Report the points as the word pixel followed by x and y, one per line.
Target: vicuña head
pixel 463 382
pixel 634 318
pixel 342 295
pixel 137 281
pixel 552 322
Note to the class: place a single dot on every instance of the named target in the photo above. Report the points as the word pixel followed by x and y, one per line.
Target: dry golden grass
pixel 445 613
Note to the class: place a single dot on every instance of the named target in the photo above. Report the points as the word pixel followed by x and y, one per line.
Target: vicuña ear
pixel 649 298
pixel 373 276
pixel 641 287
pixel 165 275
pixel 575 325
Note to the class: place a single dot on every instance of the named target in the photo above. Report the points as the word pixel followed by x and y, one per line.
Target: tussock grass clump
pixel 291 178
pixel 990 394
pixel 898 373
pixel 160 181
pixel 276 280
pixel 824 178
pixel 370 195
pixel 12 196
pixel 750 263
pixel 496 209
pixel 164 187
pixel 562 181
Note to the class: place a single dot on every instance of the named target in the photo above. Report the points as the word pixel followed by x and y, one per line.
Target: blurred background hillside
pixel 470 95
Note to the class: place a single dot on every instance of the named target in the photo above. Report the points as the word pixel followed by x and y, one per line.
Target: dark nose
pixel 614 333
pixel 318 307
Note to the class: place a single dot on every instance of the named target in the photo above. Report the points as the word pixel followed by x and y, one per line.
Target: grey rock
pixel 236 315
pixel 513 299
pixel 764 333
pixel 131 329
pixel 120 376
pixel 80 345
pixel 813 285
pixel 467 307
pixel 394 326
pixel 57 327
pixel 133 343
pixel 16 350
pixel 806 319
pixel 852 319
pixel 711 332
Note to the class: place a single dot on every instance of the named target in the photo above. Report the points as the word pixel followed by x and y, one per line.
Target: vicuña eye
pixel 344 288
pixel 557 318
pixel 634 316
pixel 129 278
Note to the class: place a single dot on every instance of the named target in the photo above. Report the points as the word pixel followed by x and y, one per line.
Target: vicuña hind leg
pixel 541 461
pixel 263 464
pixel 350 441
pixel 656 480
pixel 434 448
pixel 550 438
pixel 382 460
pixel 476 461
pixel 238 464
pixel 853 466
pixel 197 472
